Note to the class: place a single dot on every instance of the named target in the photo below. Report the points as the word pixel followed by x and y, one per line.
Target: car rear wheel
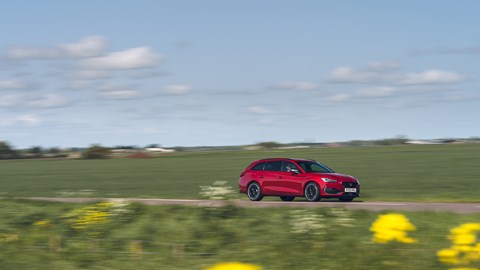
pixel 312 192
pixel 345 199
pixel 287 198
pixel 254 192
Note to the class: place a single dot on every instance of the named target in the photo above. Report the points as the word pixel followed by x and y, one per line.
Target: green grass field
pixel 392 173
pixel 39 235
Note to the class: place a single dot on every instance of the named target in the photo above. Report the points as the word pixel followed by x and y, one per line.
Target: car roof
pixel 293 159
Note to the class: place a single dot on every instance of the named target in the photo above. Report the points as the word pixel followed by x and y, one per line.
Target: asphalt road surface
pixel 462 208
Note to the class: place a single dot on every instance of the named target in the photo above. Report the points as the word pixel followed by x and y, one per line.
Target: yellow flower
pixel 104 204
pixel 42 223
pixel 448 256
pixel 392 227
pixel 464 250
pixel 234 266
pixel 463 239
pixel 89 216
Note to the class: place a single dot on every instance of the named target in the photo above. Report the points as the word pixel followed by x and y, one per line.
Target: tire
pixel 312 192
pixel 343 199
pixel 287 198
pixel 254 192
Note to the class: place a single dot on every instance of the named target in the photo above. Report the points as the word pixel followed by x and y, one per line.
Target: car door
pixel 269 177
pixel 290 179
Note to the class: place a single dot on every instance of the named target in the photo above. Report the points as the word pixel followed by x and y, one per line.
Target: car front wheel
pixel 312 192
pixel 254 192
pixel 287 198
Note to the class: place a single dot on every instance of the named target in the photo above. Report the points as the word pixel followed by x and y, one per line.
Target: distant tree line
pixel 93 152
pixel 97 151
pixel 6 151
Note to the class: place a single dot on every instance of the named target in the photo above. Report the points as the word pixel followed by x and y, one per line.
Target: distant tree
pixel 35 150
pixel 96 152
pixel 392 141
pixel 54 150
pixel 6 151
pixel 269 145
pixel 129 147
pixel 153 145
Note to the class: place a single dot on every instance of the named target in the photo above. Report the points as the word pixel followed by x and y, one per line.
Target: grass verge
pixel 39 235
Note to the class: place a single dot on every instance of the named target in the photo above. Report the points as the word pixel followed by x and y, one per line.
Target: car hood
pixel 335 176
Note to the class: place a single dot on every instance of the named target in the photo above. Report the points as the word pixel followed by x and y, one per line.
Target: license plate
pixel 350 190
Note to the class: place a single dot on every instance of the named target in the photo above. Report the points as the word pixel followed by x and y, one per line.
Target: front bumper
pixel 338 189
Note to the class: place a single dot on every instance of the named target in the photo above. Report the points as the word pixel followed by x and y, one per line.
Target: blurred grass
pixel 390 173
pixel 180 237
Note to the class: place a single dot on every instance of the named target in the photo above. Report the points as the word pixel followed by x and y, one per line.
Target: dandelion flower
pixel 234 266
pixel 392 227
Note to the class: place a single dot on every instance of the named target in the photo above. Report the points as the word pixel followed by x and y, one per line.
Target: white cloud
pixel 388 72
pixel 351 75
pixel 142 74
pixel 87 47
pixel 339 98
pixel 300 86
pixel 28 119
pixel 47 101
pixel 11 84
pixel 120 94
pixel 375 92
pixel 432 76
pixel 27 53
pixel 90 74
pixel 135 58
pixel 257 109
pixel 177 89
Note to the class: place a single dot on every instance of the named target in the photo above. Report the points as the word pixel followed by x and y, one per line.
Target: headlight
pixel 328 180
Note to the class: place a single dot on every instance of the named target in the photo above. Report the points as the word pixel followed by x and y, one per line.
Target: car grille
pixel 350 184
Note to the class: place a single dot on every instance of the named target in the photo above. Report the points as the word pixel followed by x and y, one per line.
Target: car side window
pixel 273 166
pixel 304 167
pixel 258 167
pixel 287 164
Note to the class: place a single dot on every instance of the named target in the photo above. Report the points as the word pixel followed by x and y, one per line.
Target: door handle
pixel 261 176
pixel 281 177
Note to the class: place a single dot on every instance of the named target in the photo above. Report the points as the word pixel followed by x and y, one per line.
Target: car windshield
pixel 311 166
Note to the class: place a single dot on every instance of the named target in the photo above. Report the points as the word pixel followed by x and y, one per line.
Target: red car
pixel 291 177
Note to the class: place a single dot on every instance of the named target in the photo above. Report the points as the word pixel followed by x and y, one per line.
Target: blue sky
pixel 190 73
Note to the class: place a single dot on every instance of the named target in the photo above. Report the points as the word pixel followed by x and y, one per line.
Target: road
pixel 462 208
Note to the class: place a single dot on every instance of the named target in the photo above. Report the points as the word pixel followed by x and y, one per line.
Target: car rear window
pixel 258 167
pixel 273 166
